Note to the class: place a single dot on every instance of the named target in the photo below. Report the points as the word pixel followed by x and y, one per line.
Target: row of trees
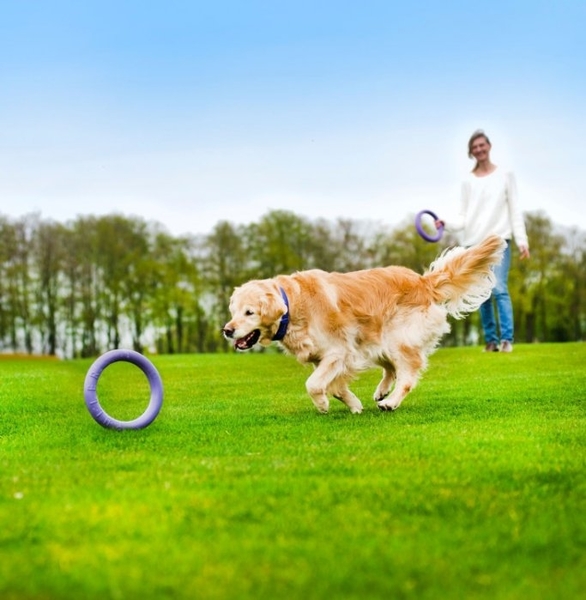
pixel 97 283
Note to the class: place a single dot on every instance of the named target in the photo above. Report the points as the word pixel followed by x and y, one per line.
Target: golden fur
pixel 344 323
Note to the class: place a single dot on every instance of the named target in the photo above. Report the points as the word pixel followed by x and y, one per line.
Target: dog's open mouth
pixel 248 341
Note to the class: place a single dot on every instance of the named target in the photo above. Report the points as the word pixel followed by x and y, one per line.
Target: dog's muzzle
pixel 243 343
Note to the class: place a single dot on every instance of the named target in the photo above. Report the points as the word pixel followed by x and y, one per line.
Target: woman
pixel 489 205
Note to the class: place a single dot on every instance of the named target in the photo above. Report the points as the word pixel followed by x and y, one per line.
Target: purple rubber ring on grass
pixel 418 225
pixel 91 384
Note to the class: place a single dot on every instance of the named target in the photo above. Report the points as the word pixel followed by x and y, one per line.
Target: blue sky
pixel 188 113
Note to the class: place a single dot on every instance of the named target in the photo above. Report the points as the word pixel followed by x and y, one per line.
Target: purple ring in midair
pixel 440 230
pixel 91 384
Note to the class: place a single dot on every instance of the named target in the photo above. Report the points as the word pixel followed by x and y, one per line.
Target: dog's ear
pixel 272 307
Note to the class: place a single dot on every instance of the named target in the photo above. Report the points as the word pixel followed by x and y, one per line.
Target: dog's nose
pixel 228 332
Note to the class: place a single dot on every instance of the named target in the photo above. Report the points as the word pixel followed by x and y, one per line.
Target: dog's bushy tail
pixel 462 278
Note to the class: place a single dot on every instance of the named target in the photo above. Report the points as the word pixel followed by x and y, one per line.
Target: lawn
pixel 474 488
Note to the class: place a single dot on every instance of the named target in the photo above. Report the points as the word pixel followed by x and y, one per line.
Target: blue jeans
pixel 504 307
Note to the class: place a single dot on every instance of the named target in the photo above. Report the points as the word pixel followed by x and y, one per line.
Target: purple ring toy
pixel 91 384
pixel 418 225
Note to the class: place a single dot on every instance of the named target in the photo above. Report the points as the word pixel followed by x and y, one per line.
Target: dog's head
pixel 256 308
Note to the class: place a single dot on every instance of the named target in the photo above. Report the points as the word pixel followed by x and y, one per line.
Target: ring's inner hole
pixel 123 391
pixel 428 224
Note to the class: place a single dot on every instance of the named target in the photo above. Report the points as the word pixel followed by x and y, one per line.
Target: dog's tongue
pixel 241 344
pixel 247 341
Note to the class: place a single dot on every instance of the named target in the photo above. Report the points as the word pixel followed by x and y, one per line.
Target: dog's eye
pixel 248 313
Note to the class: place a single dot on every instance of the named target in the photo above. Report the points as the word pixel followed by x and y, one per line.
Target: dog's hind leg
pixel 386 383
pixel 407 368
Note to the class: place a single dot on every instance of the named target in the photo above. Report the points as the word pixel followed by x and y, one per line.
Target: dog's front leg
pixel 318 383
pixel 350 400
pixel 317 393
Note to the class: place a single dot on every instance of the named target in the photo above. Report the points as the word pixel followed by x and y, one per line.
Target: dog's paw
pixel 356 410
pixel 385 406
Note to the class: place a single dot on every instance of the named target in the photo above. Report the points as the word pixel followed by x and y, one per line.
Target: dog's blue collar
pixel 284 320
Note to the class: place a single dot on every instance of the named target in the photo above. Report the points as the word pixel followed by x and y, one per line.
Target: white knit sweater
pixel 489 205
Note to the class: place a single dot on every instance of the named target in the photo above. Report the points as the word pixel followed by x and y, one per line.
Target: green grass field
pixel 474 488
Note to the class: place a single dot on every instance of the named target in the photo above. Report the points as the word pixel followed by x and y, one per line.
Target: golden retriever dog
pixel 345 323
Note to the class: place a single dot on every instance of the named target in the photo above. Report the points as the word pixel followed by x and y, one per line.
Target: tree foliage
pixel 97 283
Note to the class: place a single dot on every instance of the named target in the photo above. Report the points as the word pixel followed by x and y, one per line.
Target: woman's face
pixel 480 149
